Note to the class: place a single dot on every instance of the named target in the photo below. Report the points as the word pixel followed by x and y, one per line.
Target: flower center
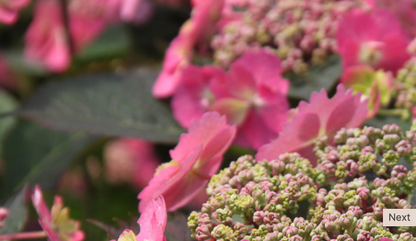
pixel 371 53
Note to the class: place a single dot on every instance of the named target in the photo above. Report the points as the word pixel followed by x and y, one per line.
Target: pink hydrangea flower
pixel 196 158
pixel 385 239
pixel 152 223
pixel 194 95
pixel 321 116
pixel 56 223
pixel 88 18
pixel 136 11
pixel 405 11
pixel 252 95
pixel 180 51
pixel 46 38
pixel 9 9
pixel 130 160
pixel 373 38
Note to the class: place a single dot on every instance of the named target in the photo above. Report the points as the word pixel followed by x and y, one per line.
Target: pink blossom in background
pixel 196 158
pixel 405 10
pixel 88 18
pixel 136 11
pixel 194 96
pixel 321 116
pixel 373 38
pixel 46 40
pixel 385 239
pixel 56 223
pixel 130 160
pixel 252 95
pixel 180 51
pixel 9 9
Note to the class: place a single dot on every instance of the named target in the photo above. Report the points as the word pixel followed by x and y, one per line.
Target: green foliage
pixel 17 213
pixel 317 78
pixel 105 104
pixel 36 155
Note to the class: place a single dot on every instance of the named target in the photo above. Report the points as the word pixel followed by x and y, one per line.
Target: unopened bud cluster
pixel 405 87
pixel 359 173
pixel 301 32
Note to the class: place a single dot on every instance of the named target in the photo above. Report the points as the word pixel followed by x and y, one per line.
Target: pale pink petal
pixel 195 159
pixel 322 116
pixel 204 131
pixel 165 181
pixel 45 219
pixel 153 220
pixel 130 160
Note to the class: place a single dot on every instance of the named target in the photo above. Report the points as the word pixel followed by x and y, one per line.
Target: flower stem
pixel 26 235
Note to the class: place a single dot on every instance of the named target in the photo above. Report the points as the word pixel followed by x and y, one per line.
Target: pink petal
pixel 204 146
pixel 322 116
pixel 45 39
pixel 265 68
pixel 193 96
pixel 203 131
pixel 164 182
pixel 180 51
pixel 9 9
pixel 153 220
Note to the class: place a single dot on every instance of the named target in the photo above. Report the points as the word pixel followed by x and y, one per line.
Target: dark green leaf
pixel 7 104
pixel 17 213
pixel 33 154
pixel 318 77
pixel 379 121
pixel 105 104
pixel 17 61
pixel 111 43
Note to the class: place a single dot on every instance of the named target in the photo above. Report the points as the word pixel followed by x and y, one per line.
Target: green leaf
pixel 105 104
pixel 35 155
pixel 111 43
pixel 380 120
pixel 17 213
pixel 7 104
pixel 17 61
pixel 318 77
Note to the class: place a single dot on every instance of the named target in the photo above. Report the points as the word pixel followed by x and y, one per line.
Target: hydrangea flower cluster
pixel 405 87
pixel 342 198
pixel 301 32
